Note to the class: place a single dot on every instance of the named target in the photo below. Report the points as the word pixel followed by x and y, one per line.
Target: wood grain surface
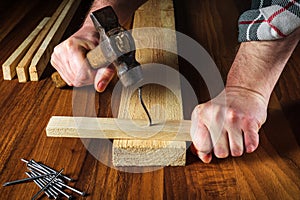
pixel 162 103
pixel 271 172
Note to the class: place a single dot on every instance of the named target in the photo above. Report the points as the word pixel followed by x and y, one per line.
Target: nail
pixel 52 170
pixel 54 186
pixel 26 179
pixel 45 187
pixel 43 182
pixel 44 168
pixel 37 182
pixel 101 85
pixel 72 189
pixel 144 106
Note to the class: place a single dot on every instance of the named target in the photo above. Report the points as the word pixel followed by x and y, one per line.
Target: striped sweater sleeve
pixel 269 20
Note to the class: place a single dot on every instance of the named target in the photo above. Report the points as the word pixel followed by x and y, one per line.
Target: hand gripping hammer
pixel 116 46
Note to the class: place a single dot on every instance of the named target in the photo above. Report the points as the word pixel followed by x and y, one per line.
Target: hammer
pixel 116 46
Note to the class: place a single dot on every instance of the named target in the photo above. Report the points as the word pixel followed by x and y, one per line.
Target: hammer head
pixel 116 46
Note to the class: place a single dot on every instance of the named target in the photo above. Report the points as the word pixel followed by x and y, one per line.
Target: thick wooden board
pixel 23 66
pixel 114 128
pixel 9 66
pixel 42 56
pixel 163 104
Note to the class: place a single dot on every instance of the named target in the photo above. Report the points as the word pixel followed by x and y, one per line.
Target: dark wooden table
pixel 271 172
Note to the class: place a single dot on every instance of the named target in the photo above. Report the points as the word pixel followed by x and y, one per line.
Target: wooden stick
pixel 114 128
pixel 42 57
pixel 23 66
pixel 9 66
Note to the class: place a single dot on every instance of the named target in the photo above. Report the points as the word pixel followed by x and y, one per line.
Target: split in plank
pixel 114 128
pixel 9 66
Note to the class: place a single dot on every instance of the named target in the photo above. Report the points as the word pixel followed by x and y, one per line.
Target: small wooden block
pixel 145 152
pixel 58 81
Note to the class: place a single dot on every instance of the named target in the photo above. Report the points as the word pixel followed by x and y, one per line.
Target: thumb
pixel 103 77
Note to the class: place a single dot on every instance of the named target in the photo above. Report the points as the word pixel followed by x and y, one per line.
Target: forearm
pixel 258 65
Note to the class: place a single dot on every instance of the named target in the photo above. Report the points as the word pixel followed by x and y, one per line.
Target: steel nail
pixel 38 183
pixel 54 186
pixel 45 187
pixel 72 189
pixel 52 170
pixel 43 182
pixel 26 179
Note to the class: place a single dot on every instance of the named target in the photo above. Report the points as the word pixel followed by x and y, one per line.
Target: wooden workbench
pixel 271 172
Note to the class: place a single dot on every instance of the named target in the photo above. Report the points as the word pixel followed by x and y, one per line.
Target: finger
pixel 219 137
pixel 201 140
pixel 103 77
pixel 56 63
pixel 220 144
pixel 236 142
pixel 206 158
pixel 251 139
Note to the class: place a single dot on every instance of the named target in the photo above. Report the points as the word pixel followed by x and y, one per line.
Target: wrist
pixel 247 93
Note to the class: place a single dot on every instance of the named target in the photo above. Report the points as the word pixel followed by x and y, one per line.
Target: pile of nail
pixel 49 180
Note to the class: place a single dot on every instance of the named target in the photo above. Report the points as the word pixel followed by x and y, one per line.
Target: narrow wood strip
pixel 114 128
pixel 9 66
pixel 42 56
pixel 23 66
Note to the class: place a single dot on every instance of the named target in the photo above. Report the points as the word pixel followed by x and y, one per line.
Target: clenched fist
pixel 228 124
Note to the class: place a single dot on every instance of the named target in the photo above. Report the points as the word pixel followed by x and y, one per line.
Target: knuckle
pixel 198 110
pixel 232 116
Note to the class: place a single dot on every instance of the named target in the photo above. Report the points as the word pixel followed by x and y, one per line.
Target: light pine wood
pixel 23 66
pixel 114 128
pixel 58 80
pixel 9 66
pixel 42 56
pixel 162 103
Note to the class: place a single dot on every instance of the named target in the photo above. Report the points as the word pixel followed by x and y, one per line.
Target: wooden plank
pixel 114 128
pixel 23 66
pixel 154 13
pixel 42 56
pixel 9 66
